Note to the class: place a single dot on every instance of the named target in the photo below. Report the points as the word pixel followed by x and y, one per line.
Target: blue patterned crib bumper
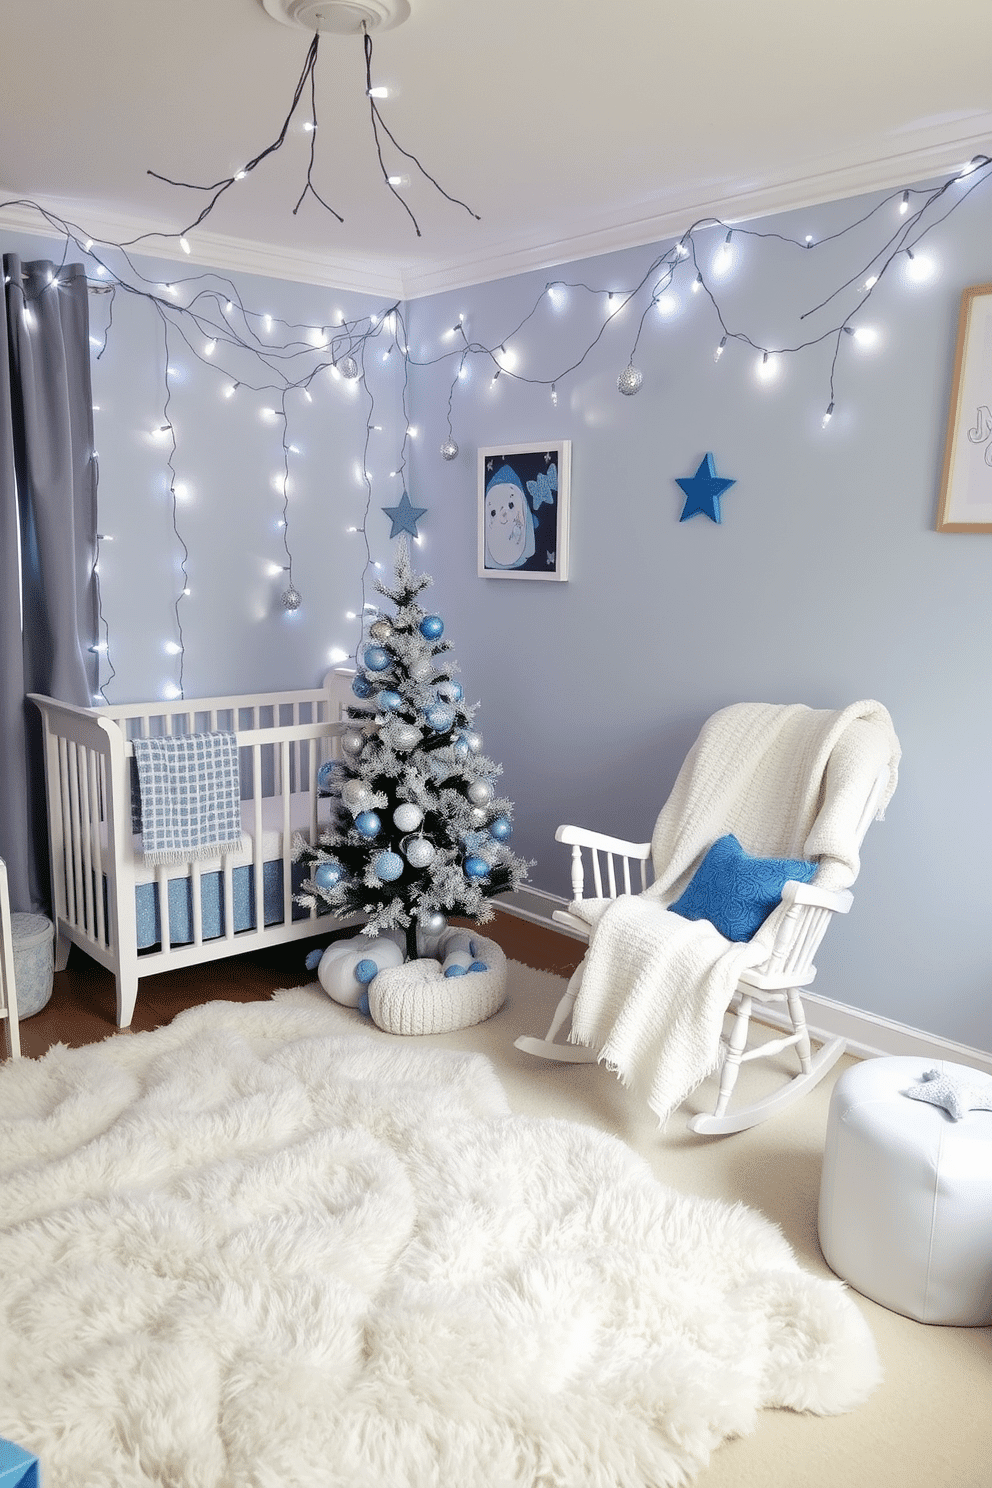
pixel 212 893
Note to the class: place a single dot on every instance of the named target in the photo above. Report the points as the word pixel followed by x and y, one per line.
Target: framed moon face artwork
pixel 523 510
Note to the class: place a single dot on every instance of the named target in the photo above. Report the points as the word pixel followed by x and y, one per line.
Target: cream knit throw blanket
pixel 788 781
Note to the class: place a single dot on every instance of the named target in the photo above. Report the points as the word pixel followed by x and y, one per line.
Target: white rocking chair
pixel 621 867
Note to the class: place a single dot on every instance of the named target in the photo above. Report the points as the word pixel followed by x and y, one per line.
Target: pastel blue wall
pixel 825 583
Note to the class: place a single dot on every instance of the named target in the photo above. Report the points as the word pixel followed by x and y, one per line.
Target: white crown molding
pixel 26 213
pixel 930 156
pixel 834 183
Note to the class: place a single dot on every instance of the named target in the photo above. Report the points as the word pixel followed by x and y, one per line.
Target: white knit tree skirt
pixel 417 998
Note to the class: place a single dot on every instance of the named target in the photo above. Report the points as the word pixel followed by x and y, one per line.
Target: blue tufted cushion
pixel 736 892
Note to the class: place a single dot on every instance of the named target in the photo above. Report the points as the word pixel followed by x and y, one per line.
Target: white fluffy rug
pixel 257 1248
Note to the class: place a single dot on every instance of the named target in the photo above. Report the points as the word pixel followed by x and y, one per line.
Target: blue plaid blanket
pixel 190 796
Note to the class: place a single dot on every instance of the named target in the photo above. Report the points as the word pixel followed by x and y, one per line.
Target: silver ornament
pixel 419 852
pixel 406 736
pixel 348 367
pixel 407 817
pixel 432 921
pixel 449 450
pixel 480 792
pixel 478 815
pixel 629 381
pixel 421 668
pixel 381 630
pixel 352 742
pixel 356 795
pixel 473 740
pixel 291 598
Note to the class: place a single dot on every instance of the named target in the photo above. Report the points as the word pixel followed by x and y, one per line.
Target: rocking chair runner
pixel 783 780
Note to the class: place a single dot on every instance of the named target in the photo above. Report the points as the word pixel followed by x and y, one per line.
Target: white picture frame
pixel 523 510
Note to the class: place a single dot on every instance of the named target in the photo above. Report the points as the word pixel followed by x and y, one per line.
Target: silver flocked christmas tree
pixel 418 831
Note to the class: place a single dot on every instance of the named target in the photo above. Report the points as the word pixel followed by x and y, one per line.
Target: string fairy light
pixel 215 329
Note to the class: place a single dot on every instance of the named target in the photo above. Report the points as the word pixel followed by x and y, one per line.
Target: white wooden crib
pixel 138 920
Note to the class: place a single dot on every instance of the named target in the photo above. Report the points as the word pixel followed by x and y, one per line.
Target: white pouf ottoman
pixel 33 937
pixel 906 1192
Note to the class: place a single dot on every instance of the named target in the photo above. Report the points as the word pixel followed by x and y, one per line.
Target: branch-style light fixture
pixel 343 18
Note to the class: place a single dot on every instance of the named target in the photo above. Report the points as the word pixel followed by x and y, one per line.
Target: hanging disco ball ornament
pixel 348 367
pixel 449 450
pixel 629 381
pixel 291 598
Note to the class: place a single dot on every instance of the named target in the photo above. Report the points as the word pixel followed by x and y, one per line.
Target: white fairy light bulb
pixel 904 204
pixel 768 367
pixel 828 415
pixel 210 347
pixel 719 351
pixel 724 256
pixel 866 337
pixel 667 304
pixel 920 267
pixel 171 648
pixel 184 244
pixel 871 281
pixel 240 175
pixel 558 295
pixel 377 92
pixel 170 691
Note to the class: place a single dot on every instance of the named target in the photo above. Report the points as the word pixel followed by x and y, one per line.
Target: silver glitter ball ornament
pixel 480 792
pixel 473 740
pixel 291 598
pixel 449 450
pixel 381 630
pixel 419 852
pixel 408 816
pixel 352 741
pixel 432 921
pixel 405 736
pixel 348 367
pixel 629 381
pixel 356 795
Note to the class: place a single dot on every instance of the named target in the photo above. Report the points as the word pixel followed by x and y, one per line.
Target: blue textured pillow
pixel 736 892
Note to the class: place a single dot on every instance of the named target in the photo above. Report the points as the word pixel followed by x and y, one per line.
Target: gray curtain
pixel 48 598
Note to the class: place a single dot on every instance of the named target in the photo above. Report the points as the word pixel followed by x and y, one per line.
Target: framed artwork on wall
pixel 966 488
pixel 523 510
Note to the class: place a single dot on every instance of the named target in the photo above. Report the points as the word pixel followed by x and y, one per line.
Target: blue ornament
pixel 330 775
pixel 376 658
pixel 388 700
pixel 476 868
pixel 454 970
pixel 328 875
pixel 368 823
pixel 703 491
pixel 440 716
pixel 363 1005
pixel 388 866
pixel 404 516
pixel 365 970
pixel 361 686
pixel 460 749
pixel 501 829
pixel 432 626
pixel 478 966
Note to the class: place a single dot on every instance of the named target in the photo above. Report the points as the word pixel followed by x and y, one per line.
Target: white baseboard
pixel 866 1035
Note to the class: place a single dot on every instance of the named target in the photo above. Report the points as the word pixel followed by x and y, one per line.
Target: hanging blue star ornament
pixel 404 516
pixel 703 491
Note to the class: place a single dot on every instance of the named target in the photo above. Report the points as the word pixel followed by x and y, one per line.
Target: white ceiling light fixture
pixel 344 17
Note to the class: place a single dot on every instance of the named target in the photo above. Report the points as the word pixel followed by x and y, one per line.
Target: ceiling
pixel 571 128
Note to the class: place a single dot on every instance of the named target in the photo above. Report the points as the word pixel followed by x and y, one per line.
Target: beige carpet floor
pixel 929 1423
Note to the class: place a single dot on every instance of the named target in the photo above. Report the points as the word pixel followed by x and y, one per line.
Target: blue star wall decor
pixel 404 517
pixel 703 490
